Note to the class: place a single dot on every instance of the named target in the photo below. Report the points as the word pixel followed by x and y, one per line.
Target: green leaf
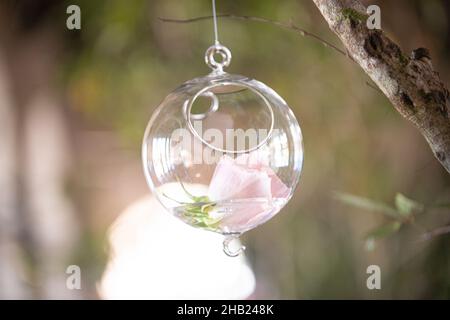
pixel 381 232
pixel 370 244
pixel 367 204
pixel 406 206
pixel 198 214
pixel 440 205
pixel 384 231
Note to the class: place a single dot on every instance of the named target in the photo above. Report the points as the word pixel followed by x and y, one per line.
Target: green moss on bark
pixel 354 15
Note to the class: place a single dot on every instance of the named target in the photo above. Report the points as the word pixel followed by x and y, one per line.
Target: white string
pixel 216 35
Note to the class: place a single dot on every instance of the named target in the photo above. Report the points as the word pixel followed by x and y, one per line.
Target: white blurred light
pixel 156 256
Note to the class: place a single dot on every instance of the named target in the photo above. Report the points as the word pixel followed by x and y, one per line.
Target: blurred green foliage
pixel 124 61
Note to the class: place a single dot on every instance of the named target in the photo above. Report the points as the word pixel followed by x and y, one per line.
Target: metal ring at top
pixel 223 51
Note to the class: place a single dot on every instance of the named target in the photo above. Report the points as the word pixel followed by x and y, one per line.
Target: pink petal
pixel 231 181
pixel 246 177
pixel 278 188
pixel 246 216
pixel 254 160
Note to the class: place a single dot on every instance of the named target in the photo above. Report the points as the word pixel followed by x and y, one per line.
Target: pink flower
pixel 246 177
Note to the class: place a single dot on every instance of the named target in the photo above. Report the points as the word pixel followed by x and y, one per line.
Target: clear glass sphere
pixel 223 153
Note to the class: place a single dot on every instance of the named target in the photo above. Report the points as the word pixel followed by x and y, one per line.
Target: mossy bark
pixel 410 82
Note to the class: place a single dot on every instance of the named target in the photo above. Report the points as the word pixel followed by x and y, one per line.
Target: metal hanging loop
pixel 214 51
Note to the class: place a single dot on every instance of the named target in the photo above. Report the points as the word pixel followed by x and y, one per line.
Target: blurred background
pixel 73 108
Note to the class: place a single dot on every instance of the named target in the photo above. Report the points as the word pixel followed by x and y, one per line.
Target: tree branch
pixel 435 233
pixel 410 83
pixel 284 25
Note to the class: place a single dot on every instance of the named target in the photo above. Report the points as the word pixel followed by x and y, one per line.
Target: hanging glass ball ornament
pixel 223 152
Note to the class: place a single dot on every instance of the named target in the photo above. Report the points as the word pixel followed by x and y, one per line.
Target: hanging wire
pixel 217 49
pixel 216 34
